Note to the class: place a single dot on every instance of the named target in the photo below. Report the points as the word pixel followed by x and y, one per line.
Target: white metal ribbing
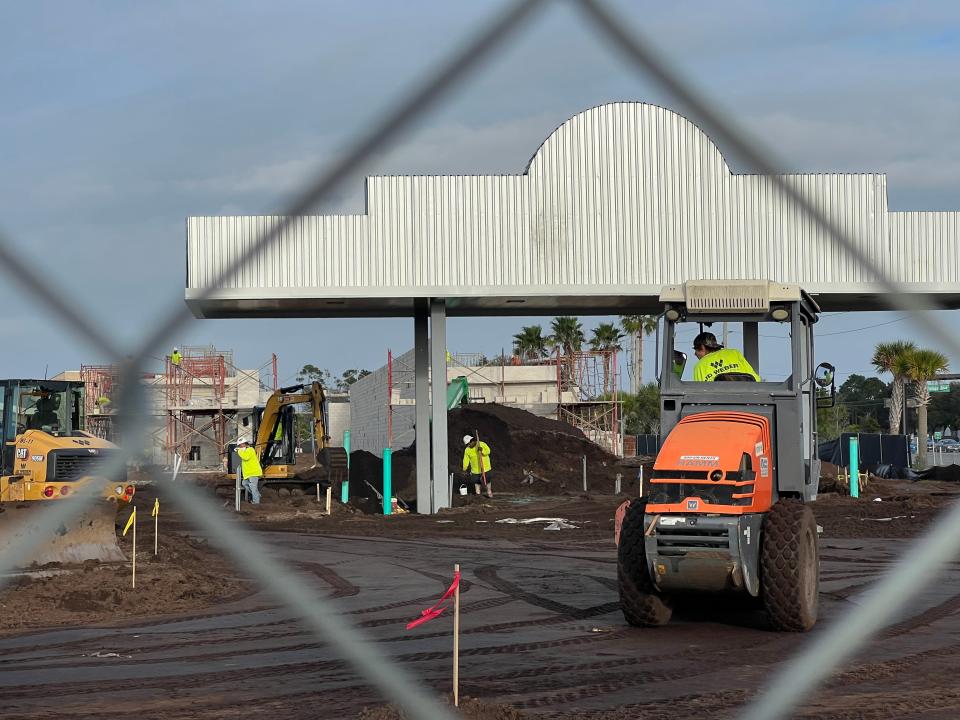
pixel 623 195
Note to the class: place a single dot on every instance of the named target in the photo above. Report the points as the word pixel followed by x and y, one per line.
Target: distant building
pixel 382 404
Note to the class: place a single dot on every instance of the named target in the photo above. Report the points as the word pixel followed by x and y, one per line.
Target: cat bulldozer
pixel 728 506
pixel 274 438
pixel 47 458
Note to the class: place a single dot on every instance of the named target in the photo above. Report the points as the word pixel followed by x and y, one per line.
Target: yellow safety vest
pixel 250 463
pixel 720 362
pixel 471 458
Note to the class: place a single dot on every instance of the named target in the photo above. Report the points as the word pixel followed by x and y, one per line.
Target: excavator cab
pixel 727 508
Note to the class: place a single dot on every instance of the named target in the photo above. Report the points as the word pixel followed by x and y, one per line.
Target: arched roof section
pixel 617 202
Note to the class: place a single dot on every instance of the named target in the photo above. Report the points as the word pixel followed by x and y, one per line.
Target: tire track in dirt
pixel 252 676
pixel 35 663
pixel 489 574
pixel 341 586
pixel 891 707
pixel 871 672
pixel 241 631
pixel 927 617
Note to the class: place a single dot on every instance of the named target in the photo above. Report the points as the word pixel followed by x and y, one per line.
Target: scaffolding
pixel 593 379
pixel 196 406
pixel 101 386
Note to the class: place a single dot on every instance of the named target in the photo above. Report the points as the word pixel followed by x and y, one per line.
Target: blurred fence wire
pixel 799 676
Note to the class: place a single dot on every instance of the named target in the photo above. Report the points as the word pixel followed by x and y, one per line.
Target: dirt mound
pixel 185 576
pixel 532 454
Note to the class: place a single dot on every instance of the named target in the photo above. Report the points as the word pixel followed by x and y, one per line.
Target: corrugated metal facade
pixel 618 201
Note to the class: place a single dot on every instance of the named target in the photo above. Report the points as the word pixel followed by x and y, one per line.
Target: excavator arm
pixel 272 415
pixel 330 464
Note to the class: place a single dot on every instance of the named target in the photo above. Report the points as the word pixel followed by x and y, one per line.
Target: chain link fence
pixel 797 677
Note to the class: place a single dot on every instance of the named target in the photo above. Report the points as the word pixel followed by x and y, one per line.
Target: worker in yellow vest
pixel 250 470
pixel 476 457
pixel 716 361
pixel 176 358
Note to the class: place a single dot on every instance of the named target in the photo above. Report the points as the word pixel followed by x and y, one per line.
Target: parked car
pixel 949 445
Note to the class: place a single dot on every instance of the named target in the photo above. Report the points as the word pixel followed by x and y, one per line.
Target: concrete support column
pixel 421 365
pixel 751 344
pixel 438 402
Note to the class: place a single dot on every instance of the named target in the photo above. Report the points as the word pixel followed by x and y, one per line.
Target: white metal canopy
pixel 619 201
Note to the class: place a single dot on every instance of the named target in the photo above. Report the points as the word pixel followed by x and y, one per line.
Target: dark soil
pixel 528 453
pixel 185 576
pixel 470 708
pixel 887 508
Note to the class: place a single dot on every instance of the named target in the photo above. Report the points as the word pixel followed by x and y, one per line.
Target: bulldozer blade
pixel 91 535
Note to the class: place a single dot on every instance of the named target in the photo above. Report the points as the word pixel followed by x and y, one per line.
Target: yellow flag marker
pixel 156 521
pixel 132 521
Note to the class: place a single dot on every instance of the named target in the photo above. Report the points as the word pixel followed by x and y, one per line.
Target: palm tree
pixel 637 327
pixel 606 336
pixel 529 343
pixel 567 334
pixel 567 338
pixel 888 358
pixel 606 339
pixel 922 365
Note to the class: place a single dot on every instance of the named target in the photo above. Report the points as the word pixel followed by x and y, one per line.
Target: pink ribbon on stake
pixel 436 610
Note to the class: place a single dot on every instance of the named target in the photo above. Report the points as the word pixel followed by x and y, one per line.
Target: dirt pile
pixel 529 454
pixel 186 575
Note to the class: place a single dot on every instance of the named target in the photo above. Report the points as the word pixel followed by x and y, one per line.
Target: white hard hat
pixel 242 441
pixel 175 349
pixel 467 439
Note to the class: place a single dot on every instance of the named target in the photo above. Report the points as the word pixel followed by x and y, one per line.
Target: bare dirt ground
pixel 542 635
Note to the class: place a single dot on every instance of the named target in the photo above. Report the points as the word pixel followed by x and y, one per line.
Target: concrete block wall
pixel 338 417
pixel 368 409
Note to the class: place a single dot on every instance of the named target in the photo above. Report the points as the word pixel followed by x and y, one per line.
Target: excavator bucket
pixel 332 467
pixel 91 535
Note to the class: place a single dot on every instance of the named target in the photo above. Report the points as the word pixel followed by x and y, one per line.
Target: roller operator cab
pixel 727 508
pixel 48 457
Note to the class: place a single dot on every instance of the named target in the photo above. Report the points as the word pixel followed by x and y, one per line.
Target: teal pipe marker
pixel 387 480
pixel 854 467
pixel 345 485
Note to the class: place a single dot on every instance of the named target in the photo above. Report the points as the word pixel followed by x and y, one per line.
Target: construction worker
pixel 250 469
pixel 716 360
pixel 476 457
pixel 277 450
pixel 102 402
pixel 176 358
pixel 46 413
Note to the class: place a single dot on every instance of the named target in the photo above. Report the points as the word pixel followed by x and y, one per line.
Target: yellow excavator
pixel 47 457
pixel 274 430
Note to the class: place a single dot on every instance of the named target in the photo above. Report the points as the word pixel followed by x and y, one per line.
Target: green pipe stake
pixel 854 467
pixel 387 480
pixel 345 485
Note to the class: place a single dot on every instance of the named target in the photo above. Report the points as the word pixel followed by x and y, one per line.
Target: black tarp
pixel 648 444
pixel 950 473
pixel 875 449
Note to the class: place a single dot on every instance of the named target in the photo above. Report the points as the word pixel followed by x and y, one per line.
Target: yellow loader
pixel 47 457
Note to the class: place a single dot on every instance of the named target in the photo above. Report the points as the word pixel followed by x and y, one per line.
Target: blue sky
pixel 119 120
